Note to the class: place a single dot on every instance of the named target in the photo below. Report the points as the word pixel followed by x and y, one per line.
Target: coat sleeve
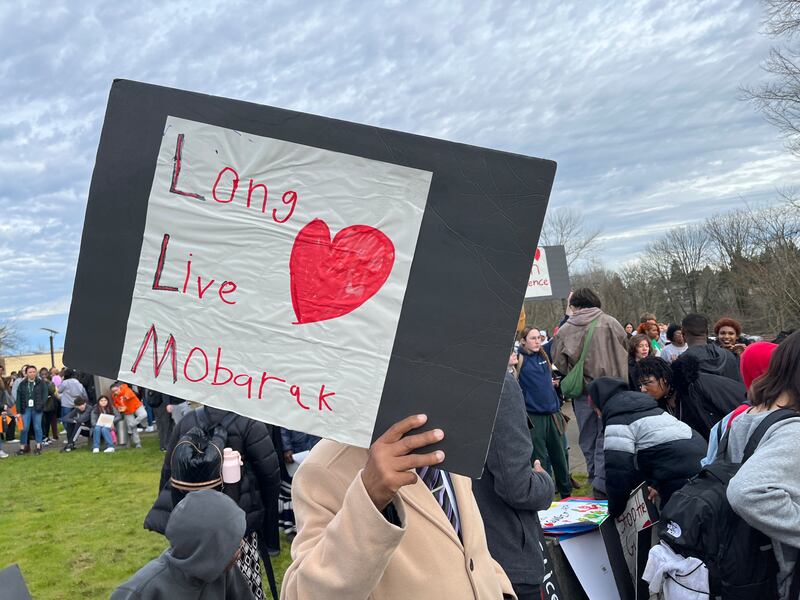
pixel 509 457
pixel 260 452
pixel 343 543
pixel 621 474
pixel 765 491
pixel 558 356
pixel 18 399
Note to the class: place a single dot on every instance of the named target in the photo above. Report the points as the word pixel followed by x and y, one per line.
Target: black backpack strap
pixel 722 441
pixel 265 558
pixel 773 417
pixel 794 590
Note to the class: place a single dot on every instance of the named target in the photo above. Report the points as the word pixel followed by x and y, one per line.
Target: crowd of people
pixel 654 404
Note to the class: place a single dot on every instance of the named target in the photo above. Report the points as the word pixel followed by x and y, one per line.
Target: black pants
pixel 164 424
pixel 50 424
pixel 526 591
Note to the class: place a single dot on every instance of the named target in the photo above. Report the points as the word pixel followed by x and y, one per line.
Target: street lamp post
pixel 52 333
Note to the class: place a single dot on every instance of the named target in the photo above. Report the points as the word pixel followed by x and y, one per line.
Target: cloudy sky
pixel 638 102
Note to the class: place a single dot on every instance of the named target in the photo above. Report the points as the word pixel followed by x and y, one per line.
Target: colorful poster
pixel 573 516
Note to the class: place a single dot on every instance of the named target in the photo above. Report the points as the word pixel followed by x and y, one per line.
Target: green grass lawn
pixel 73 522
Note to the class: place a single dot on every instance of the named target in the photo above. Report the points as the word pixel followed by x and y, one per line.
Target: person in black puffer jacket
pixel 643 443
pixel 258 488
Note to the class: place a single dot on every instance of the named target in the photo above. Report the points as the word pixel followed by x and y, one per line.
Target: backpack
pixel 698 521
pixel 572 385
pixel 196 461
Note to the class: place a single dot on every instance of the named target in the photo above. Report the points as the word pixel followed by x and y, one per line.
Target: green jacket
pixel 37 392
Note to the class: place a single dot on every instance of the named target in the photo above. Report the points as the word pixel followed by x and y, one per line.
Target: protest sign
pixel 638 517
pixel 549 277
pixel 324 276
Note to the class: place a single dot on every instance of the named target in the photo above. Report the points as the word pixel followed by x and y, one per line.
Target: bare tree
pixel 779 99
pixel 678 259
pixel 566 227
pixel 9 337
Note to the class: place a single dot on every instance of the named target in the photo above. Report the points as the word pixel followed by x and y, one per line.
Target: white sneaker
pixel 109 450
pixel 149 429
pixel 139 430
pixel 3 454
pixel 66 441
pixel 95 450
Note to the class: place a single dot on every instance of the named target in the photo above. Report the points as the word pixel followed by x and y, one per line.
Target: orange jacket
pixel 125 400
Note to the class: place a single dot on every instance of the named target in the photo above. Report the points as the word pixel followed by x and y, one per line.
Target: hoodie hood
pixel 583 316
pixel 205 530
pixel 755 361
pixel 711 358
pixel 602 389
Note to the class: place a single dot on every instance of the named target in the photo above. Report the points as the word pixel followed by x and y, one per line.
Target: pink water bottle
pixel 231 466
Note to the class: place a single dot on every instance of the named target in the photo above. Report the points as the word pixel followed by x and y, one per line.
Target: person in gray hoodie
pixel 765 492
pixel 509 493
pixel 607 356
pixel 205 532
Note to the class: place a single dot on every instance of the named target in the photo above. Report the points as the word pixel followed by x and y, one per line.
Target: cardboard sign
pixel 639 515
pixel 323 276
pixel 549 276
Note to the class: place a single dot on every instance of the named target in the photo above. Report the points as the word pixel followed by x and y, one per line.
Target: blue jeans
pixel 149 409
pixel 28 416
pixel 65 410
pixel 106 433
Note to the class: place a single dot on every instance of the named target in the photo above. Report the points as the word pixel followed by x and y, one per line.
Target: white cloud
pixel 59 307
pixel 637 101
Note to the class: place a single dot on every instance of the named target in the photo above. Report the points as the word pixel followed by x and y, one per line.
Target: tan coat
pixel 346 550
pixel 608 351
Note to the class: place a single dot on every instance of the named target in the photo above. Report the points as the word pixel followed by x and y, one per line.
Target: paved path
pixel 577 464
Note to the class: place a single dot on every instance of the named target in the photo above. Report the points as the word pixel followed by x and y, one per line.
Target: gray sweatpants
pixel 590 439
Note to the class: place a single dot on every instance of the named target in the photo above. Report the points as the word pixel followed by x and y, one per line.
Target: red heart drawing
pixel 332 278
pixel 538 254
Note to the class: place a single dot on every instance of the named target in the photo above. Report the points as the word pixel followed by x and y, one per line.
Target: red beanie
pixel 755 361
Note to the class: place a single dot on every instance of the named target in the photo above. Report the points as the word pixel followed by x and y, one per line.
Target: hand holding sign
pixel 390 462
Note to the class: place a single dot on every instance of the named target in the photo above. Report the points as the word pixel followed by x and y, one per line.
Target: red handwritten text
pixel 200 366
pixel 224 289
pixel 226 184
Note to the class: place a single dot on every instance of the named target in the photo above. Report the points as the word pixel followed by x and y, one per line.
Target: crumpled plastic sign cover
pixel 271 278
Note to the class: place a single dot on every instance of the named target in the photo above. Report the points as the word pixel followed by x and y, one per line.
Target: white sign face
pixel 271 278
pixel 635 518
pixel 539 282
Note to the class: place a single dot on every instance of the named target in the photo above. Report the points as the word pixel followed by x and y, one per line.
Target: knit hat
pixel 755 361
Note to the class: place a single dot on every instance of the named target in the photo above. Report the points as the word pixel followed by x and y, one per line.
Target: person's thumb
pixel 537 466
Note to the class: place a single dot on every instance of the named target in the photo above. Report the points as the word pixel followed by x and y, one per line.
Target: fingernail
pixel 438 434
pixel 439 455
pixel 422 417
